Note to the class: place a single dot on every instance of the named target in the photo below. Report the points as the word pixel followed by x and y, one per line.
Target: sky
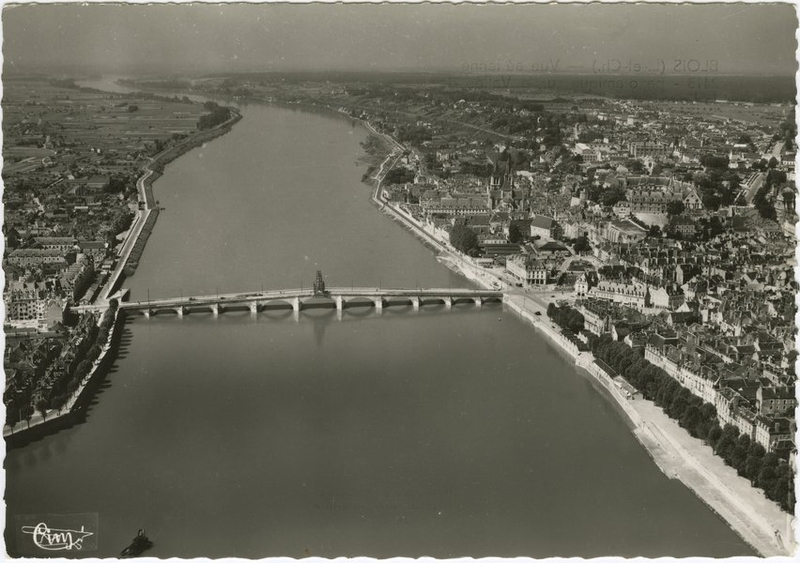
pixel 191 38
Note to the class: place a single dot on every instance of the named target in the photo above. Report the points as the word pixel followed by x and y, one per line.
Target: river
pixel 440 433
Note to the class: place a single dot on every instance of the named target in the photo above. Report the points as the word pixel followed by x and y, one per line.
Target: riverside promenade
pixel 759 521
pixel 141 223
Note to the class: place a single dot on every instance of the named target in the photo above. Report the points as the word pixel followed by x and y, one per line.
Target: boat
pixel 139 544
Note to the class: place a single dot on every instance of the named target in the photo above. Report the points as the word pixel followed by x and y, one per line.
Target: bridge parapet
pixel 340 298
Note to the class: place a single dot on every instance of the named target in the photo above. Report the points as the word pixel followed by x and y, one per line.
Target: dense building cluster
pixel 72 157
pixel 675 231
pixel 666 228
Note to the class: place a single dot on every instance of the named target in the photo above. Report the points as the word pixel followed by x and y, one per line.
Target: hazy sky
pixel 731 38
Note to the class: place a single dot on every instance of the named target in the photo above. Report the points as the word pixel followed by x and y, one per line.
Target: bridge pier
pixel 340 296
pixel 296 306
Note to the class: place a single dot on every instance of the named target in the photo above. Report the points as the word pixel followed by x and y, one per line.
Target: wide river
pixel 441 433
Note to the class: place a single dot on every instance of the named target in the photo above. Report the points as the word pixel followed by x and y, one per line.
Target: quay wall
pixel 153 172
pixel 74 411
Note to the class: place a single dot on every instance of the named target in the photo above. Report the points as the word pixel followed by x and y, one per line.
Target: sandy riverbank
pixel 679 456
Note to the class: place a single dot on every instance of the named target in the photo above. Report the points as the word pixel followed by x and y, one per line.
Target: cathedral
pixel 502 194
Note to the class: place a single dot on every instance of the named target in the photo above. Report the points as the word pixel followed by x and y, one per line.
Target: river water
pixel 441 433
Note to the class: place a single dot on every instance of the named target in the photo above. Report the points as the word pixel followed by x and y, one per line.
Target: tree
pixel 782 490
pixel 612 196
pixel 764 206
pixel 634 166
pixel 773 162
pixel 399 176
pixel 711 201
pixel 714 435
pixel 463 238
pixel 41 406
pixel 582 244
pixel 739 458
pixel 691 419
pixel 515 234
pixel 713 161
pixel 675 208
pixel 677 407
pixel 726 443
pixel 767 478
pixel 755 458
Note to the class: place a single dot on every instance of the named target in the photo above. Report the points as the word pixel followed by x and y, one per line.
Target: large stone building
pixel 652 194
pixel 527 270
pixel 544 227
pixel 633 294
pixel 32 257
pixel 624 231
pixel 639 149
pixel 33 305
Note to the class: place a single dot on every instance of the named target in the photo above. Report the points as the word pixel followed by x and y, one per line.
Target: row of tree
pixel 764 470
pixel 85 354
pixel 399 175
pixel 219 114
pixel 566 317
pixel 763 204
pixel 414 134
pixel 464 239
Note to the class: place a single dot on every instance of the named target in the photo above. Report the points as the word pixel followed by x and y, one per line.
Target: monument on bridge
pixel 319 284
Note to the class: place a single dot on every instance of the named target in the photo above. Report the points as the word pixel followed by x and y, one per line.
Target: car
pixel 538 313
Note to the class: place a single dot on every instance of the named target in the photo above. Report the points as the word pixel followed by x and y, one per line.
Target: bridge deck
pixel 289 295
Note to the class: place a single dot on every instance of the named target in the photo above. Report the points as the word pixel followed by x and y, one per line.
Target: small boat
pixel 139 544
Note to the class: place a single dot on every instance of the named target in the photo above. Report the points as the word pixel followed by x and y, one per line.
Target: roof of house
pixel 542 222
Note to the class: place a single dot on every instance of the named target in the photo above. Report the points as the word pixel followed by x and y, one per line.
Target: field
pixel 758 114
pixel 36 112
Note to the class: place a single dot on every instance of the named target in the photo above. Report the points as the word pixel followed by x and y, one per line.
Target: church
pixel 501 193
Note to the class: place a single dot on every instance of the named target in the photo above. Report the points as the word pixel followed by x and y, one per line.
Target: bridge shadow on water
pixel 321 314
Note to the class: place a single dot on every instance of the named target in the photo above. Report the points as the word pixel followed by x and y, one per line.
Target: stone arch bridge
pixel 297 299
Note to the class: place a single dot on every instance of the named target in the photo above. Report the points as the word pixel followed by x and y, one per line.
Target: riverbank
pixel 156 168
pixel 74 410
pixel 128 258
pixel 758 521
pixel 679 456
pixel 133 246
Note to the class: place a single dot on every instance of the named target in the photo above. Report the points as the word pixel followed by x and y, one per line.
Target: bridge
pixel 297 299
